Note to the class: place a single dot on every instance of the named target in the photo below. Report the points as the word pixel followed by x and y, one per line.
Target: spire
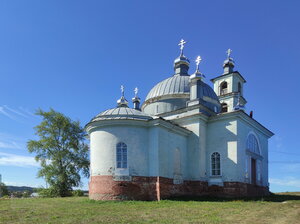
pixel 197 73
pixel 136 100
pixel 228 64
pixel 122 102
pixel 181 64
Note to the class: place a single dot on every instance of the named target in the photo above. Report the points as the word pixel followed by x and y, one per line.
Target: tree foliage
pixel 3 190
pixel 61 151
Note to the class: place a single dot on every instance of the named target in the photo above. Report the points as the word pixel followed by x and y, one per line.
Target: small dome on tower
pixel 122 102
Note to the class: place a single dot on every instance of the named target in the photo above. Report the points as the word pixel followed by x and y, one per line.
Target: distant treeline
pixel 21 189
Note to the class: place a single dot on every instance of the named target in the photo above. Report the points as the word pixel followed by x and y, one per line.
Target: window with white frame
pixel 215 164
pixel 121 155
pixel 252 144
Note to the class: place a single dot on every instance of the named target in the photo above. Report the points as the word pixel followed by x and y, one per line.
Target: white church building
pixel 187 139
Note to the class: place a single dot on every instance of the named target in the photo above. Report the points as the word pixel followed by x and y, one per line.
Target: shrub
pixel 77 193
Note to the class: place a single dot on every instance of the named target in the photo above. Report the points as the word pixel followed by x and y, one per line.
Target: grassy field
pixel 280 208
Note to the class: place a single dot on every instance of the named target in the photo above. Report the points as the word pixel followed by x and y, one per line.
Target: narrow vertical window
pixel 215 164
pixel 121 155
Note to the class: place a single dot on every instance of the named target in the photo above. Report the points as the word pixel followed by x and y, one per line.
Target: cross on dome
pixel 136 90
pixel 122 102
pixel 228 53
pixel 122 90
pixel 181 44
pixel 198 60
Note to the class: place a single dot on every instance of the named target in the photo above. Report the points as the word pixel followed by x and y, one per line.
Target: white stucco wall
pixel 228 136
pixel 151 150
pixel 169 142
pixel 103 150
pixel 222 138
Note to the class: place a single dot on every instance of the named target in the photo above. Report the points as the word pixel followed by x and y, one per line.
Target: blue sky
pixel 74 55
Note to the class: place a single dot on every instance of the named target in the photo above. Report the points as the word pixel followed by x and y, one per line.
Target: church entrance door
pixel 253 171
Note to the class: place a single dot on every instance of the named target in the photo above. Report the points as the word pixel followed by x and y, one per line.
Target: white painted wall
pixel 222 138
pixel 169 142
pixel 154 148
pixel 151 150
pixel 103 150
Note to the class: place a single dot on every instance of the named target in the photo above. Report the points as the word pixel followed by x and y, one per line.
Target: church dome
pixel 175 85
pixel 174 92
pixel 121 113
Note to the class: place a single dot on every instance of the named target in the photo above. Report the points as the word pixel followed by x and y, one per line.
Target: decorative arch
pixel 215 161
pixel 223 88
pixel 121 152
pixel 252 143
pixel 254 164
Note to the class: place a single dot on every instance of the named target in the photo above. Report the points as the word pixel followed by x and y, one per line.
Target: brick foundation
pixel 156 188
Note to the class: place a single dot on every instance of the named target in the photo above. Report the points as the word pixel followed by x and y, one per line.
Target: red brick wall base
pixel 156 188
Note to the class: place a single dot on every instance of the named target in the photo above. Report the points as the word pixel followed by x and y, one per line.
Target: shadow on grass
pixel 271 198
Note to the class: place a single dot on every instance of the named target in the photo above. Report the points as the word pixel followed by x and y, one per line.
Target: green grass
pixel 279 208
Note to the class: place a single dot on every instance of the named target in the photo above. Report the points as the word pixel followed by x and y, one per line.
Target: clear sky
pixel 73 56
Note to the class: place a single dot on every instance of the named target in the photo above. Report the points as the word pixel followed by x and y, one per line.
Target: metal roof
pixel 177 84
pixel 122 113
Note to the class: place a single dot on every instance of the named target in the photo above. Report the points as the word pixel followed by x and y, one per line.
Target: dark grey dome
pixel 122 113
pixel 173 93
pixel 177 84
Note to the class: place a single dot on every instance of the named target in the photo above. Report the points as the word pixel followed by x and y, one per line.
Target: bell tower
pixel 229 87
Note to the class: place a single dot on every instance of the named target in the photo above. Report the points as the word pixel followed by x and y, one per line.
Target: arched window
pixel 121 155
pixel 252 144
pixel 224 107
pixel 254 160
pixel 240 88
pixel 215 164
pixel 223 88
